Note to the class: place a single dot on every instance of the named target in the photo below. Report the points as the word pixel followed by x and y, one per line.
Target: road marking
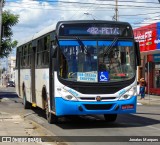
pixel 153 128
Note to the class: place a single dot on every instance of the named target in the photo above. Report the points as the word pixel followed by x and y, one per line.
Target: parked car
pixel 10 84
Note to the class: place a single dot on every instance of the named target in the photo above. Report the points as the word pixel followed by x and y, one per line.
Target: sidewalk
pixel 16 126
pixel 149 100
pixel 14 129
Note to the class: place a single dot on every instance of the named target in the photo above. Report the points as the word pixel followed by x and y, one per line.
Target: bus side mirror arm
pixel 137 52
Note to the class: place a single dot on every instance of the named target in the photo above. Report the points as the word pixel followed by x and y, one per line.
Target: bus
pixel 80 67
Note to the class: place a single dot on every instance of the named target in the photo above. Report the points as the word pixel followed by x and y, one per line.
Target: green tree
pixel 8 21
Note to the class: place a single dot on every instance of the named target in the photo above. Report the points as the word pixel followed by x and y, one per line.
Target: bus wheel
pixel 110 117
pixel 51 118
pixel 26 104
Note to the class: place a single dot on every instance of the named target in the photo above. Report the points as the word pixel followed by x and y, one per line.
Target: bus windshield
pixel 96 61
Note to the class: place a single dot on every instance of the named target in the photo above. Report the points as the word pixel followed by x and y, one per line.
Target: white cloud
pixel 33 16
pixel 36 15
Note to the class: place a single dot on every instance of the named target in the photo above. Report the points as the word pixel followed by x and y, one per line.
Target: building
pixel 3 68
pixel 9 67
pixel 149 41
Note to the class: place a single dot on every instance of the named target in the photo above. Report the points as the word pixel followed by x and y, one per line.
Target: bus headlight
pixel 66 95
pixel 130 93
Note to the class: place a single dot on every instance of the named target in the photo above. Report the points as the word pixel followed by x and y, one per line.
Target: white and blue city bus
pixel 79 68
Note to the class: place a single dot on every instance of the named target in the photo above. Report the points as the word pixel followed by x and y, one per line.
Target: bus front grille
pixel 98 106
pixel 93 98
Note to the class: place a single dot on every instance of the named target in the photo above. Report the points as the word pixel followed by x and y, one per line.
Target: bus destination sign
pixel 94 30
pixel 104 31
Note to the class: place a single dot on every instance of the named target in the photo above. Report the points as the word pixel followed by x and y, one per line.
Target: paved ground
pixel 149 100
pixel 15 124
pixel 17 128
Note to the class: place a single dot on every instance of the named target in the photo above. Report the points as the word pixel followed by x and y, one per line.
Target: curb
pixel 48 134
pixel 139 103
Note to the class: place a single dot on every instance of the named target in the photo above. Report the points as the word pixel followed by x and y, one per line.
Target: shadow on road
pixel 8 95
pixel 150 113
pixel 96 121
pixel 87 122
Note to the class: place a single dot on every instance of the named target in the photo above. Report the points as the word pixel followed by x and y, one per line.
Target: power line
pixel 140 14
pixel 57 8
pixel 71 9
pixel 74 7
pixel 132 2
pixel 119 5
pixel 85 10
pixel 129 1
pixel 101 7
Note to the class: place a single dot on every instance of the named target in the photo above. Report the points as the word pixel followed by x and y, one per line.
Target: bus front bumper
pixel 64 107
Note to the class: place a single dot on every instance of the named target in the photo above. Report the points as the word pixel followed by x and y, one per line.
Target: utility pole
pixel 1 3
pixel 116 11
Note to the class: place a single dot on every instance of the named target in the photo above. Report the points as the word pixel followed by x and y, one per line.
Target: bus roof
pixel 92 21
pixel 38 34
pixel 55 26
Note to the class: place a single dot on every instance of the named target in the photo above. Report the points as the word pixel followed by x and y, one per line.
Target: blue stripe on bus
pixel 104 43
pixel 94 43
pixel 119 43
pixel 75 43
pixel 64 107
pixel 70 43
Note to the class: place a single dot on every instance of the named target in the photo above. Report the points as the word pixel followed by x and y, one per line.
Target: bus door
pixel 19 64
pixel 51 71
pixel 33 59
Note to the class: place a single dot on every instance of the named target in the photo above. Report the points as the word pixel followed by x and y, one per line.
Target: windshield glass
pixel 96 61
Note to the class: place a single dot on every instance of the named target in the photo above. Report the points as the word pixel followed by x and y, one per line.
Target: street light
pixel 90 15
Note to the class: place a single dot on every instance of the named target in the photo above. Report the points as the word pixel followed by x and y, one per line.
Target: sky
pixel 35 15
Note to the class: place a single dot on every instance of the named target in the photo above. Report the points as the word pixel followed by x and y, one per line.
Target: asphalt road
pixel 146 122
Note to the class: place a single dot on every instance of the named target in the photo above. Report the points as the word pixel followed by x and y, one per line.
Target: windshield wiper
pixel 82 46
pixel 113 44
pixel 110 46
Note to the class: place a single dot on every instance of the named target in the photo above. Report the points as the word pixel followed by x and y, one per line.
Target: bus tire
pixel 110 117
pixel 26 104
pixel 51 118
